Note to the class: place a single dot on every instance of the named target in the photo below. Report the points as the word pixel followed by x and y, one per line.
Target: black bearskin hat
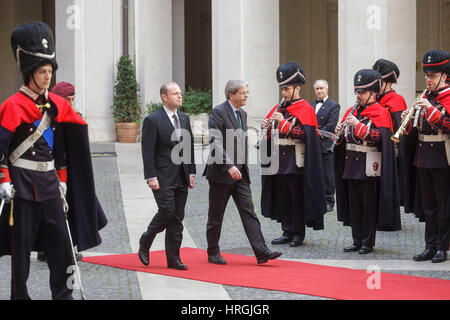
pixel 389 70
pixel 290 74
pixel 436 61
pixel 33 46
pixel 368 80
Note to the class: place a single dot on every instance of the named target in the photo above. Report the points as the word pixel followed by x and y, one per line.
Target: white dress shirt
pixel 319 105
pixel 170 114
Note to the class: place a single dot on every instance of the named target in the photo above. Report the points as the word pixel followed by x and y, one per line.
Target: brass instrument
pixel 341 131
pixel 266 130
pixel 413 112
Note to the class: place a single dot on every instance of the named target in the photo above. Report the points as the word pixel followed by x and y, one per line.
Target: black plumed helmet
pixel 436 61
pixel 33 46
pixel 290 74
pixel 389 70
pixel 368 80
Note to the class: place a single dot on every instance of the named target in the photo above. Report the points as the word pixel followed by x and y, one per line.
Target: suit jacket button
pixel 432 145
pixel 33 153
pixel 357 159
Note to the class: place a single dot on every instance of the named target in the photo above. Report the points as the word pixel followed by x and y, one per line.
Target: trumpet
pixel 342 130
pixel 413 112
pixel 265 131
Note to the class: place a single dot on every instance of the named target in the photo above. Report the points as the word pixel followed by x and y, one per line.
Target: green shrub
pixel 197 101
pixel 194 102
pixel 153 106
pixel 126 105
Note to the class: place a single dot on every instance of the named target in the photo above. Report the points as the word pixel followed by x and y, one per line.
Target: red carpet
pixel 287 276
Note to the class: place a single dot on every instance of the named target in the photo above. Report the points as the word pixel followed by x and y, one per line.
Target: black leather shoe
pixel 216 259
pixel 178 266
pixel 282 240
pixel 352 248
pixel 269 255
pixel 296 242
pixel 143 253
pixel 426 255
pixel 439 257
pixel 365 250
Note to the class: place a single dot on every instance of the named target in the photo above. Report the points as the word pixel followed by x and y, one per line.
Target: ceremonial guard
pixel 428 149
pixel 367 182
pixel 293 193
pixel 45 171
pixel 396 104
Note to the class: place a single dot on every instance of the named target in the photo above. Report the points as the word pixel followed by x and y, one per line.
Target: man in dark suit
pixel 327 112
pixel 228 174
pixel 169 168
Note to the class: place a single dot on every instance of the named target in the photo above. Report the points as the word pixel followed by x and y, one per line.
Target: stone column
pixel 154 46
pixel 178 43
pixel 245 46
pixel 374 29
pixel 89 38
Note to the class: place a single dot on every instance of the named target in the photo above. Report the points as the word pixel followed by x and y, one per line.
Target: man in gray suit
pixel 228 174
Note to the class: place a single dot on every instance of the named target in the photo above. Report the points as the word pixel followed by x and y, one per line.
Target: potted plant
pixel 126 105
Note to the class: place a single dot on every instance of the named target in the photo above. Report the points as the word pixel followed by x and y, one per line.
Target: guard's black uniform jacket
pixel 381 192
pixel 428 175
pixel 32 185
pixel 301 124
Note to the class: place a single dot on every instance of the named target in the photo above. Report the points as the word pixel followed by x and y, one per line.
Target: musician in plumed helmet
pixel 396 104
pixel 366 171
pixel 45 171
pixel 294 192
pixel 428 148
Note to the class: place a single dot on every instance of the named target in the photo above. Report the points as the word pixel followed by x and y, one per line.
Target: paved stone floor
pixel 102 283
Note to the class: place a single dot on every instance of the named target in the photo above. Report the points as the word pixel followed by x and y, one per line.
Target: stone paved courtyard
pixel 103 283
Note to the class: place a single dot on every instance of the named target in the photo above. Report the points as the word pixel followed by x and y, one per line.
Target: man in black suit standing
pixel 327 112
pixel 228 174
pixel 169 168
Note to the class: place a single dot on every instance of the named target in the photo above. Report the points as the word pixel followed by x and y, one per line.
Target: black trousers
pixel 290 203
pixel 330 184
pixel 363 206
pixel 40 225
pixel 219 195
pixel 434 186
pixel 171 210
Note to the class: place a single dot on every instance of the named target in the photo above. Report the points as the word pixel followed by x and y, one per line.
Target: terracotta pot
pixel 127 132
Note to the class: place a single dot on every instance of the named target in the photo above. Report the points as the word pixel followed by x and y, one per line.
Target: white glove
pixel 63 188
pixel 6 191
